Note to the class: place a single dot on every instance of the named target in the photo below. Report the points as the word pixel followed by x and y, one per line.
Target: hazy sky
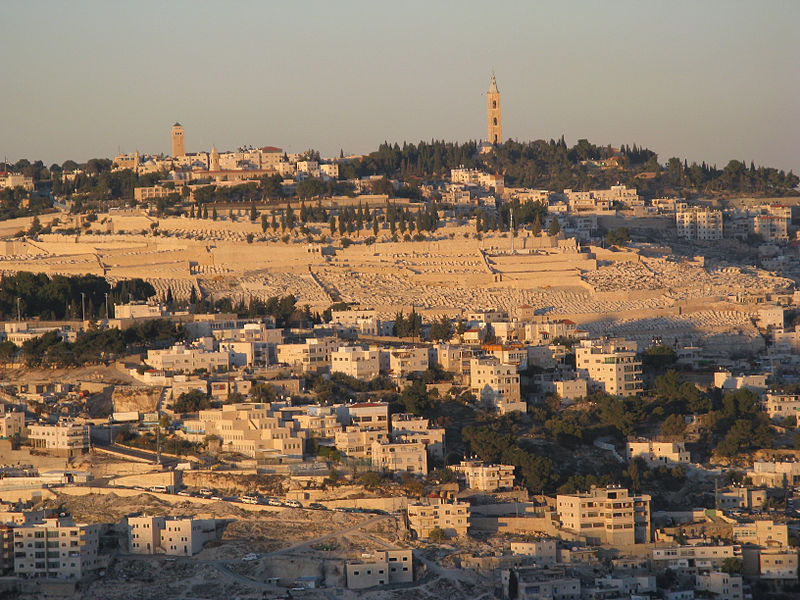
pixel 707 80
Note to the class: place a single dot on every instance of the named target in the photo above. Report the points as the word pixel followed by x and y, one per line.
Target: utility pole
pixel 511 212
pixel 158 437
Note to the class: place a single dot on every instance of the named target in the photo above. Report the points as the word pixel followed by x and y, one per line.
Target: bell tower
pixel 493 113
pixel 178 145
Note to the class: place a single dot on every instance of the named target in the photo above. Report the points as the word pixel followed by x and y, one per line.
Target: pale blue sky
pixel 709 80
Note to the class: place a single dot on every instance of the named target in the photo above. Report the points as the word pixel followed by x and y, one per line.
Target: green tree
pixel 536 226
pixel 441 330
pixel 416 399
pixel 555 227
pixel 732 565
pixel 673 426
pixel 191 401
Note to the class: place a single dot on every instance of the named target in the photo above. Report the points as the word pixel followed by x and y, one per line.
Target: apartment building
pixel 318 421
pixel 746 497
pixel 727 381
pixel 312 355
pixel 720 585
pixel 515 355
pixel 508 331
pixel 779 406
pixel 610 366
pixel 658 453
pixel 496 384
pixel 144 534
pixel 567 389
pixel 400 455
pixel 486 316
pixel 534 583
pixel 778 566
pixel 700 224
pixel 175 536
pixel 357 362
pixel 464 175
pixel 544 551
pixel 586 201
pixel 486 478
pixel 436 513
pixel 56 548
pixel 247 353
pixel 380 568
pixel 6 549
pixel 542 331
pixel 609 515
pixel 455 359
pixel 411 428
pixel 252 429
pixel 401 362
pixel 775 474
pixel 66 438
pixel 189 359
pixel 363 321
pixel 227 326
pixel 762 532
pixel 358 442
pixel 12 422
pixel 139 310
pixel 689 560
pixel 771 228
pixel 329 171
pixel 623 586
pixel 365 415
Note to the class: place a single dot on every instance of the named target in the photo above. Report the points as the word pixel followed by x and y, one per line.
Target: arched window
pixel 494 103
pixel 494 121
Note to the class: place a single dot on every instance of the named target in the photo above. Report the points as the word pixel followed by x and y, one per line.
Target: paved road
pixel 141 454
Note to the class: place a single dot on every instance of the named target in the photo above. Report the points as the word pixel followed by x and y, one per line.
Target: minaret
pixel 214 159
pixel 493 112
pixel 178 144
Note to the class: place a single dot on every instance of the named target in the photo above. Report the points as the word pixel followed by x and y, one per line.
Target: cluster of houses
pixel 39 543
pixel 772 222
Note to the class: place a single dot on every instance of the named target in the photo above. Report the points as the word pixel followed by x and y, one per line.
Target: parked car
pixel 251 556
pixel 293 504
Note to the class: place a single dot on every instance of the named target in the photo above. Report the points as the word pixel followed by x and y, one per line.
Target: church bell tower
pixel 493 113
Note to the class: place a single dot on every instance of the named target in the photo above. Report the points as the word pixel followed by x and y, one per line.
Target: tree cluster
pixel 59 296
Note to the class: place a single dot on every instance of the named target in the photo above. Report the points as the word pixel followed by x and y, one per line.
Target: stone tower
pixel 493 112
pixel 214 159
pixel 178 144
